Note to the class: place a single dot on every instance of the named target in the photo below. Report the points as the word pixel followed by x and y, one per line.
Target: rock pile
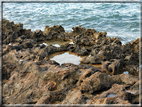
pixel 30 77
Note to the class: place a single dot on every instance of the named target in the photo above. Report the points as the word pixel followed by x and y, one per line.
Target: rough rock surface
pixel 30 77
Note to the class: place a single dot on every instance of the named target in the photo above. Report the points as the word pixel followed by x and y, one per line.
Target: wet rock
pixel 128 58
pixel 135 58
pixel 134 99
pixel 76 31
pixel 52 97
pixel 113 67
pixel 85 60
pixel 7 49
pixel 20 88
pixel 10 58
pixel 52 62
pixel 102 53
pixel 135 86
pixel 134 91
pixel 95 51
pixel 68 65
pixel 104 67
pixel 11 31
pixel 87 73
pixel 74 97
pixel 29 43
pixel 116 67
pixel 51 86
pixel 53 32
pixel 38 35
pixel 63 36
pixel 133 69
pixel 30 77
pixel 26 34
pixel 9 64
pixel 95 82
pixel 120 97
pixel 100 35
pixel 51 49
pixel 82 36
pixel 23 54
pixel 83 51
pixel 27 67
pixel 86 66
pixel 135 45
pixel 123 79
pixel 92 59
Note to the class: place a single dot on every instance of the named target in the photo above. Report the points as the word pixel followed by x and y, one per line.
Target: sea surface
pixel 117 19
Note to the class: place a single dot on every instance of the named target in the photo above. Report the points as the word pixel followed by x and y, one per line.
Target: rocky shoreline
pixel 30 77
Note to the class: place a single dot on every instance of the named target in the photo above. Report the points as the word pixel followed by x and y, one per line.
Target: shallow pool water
pixel 65 57
pixel 140 66
pixel 88 100
pixel 56 43
pixel 111 95
pixel 68 57
pixel 130 91
pixel 125 72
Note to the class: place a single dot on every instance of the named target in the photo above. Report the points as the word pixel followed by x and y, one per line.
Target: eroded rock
pixel 30 77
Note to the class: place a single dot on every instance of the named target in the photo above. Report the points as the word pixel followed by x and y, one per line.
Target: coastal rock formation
pixel 29 76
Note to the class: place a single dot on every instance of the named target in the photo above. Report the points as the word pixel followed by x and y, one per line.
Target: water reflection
pixel 69 57
pixel 66 57
pixel 111 95
pixel 55 42
pixel 130 91
pixel 125 72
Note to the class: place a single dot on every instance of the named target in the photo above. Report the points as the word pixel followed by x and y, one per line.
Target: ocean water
pixel 117 19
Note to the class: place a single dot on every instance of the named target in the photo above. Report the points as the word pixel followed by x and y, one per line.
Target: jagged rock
pixel 135 45
pixel 118 96
pixel 74 97
pixel 82 36
pixel 53 32
pixel 95 82
pixel 123 79
pixel 133 69
pixel 11 31
pixel 116 67
pixel 92 59
pixel 38 35
pixel 30 77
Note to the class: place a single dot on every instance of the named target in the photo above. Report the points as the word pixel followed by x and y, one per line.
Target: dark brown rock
pixel 53 32
pixel 30 77
pixel 74 97
pixel 119 96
